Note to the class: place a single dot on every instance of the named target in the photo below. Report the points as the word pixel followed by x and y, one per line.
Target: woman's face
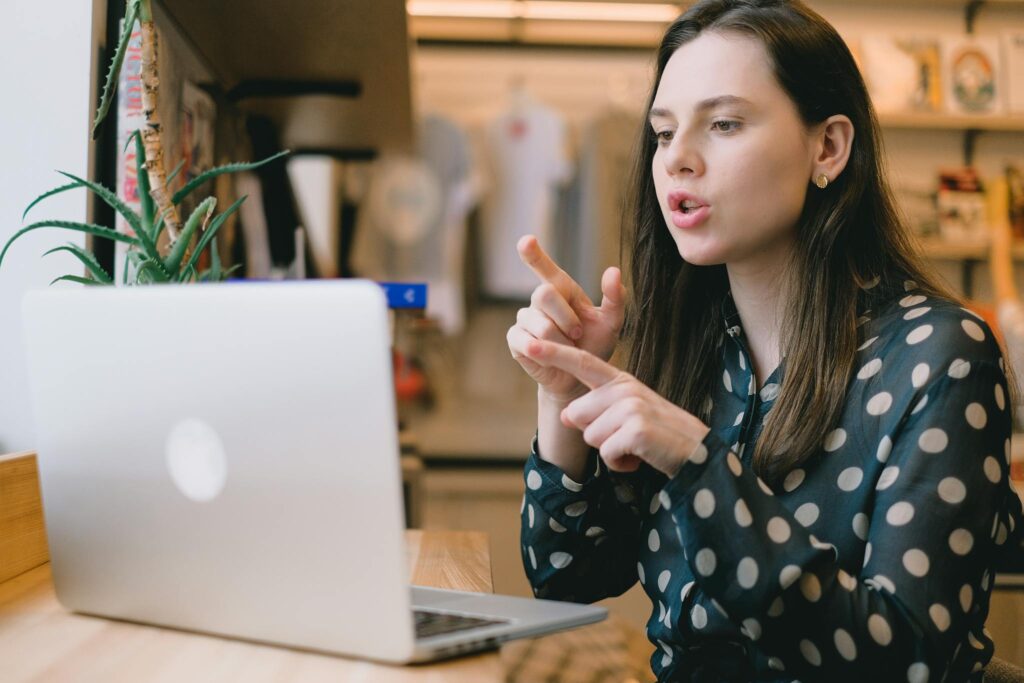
pixel 734 160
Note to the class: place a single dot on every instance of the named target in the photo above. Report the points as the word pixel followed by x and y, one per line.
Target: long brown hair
pixel 847 235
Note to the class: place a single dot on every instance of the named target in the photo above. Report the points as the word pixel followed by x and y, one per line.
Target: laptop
pixel 224 458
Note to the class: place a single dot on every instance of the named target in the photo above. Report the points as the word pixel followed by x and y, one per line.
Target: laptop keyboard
pixel 437 623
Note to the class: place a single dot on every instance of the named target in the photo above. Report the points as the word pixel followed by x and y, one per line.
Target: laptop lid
pixel 224 458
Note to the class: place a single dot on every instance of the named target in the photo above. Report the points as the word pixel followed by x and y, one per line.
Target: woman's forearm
pixel 560 445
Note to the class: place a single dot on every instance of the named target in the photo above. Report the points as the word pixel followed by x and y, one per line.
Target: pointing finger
pixel 534 256
pixel 583 365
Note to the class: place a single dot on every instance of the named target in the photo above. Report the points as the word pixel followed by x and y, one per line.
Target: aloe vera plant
pixel 176 262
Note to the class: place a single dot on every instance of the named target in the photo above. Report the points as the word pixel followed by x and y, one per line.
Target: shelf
pixel 912 120
pixel 945 250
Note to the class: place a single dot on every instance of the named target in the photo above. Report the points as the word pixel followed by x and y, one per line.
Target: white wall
pixel 47 71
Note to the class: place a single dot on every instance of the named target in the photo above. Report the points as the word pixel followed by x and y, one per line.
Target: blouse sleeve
pixel 922 592
pixel 579 538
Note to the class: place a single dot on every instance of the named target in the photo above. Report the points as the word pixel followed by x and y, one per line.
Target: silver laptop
pixel 224 458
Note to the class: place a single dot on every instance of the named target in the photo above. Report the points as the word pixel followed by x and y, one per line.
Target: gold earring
pixel 821 180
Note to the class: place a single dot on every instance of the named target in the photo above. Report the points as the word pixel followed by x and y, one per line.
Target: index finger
pixel 534 256
pixel 581 364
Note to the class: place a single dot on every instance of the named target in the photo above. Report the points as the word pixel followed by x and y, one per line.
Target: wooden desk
pixel 40 641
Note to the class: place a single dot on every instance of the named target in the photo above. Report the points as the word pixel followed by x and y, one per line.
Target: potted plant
pixel 152 260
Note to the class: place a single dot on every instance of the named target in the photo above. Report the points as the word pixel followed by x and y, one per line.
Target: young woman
pixel 806 464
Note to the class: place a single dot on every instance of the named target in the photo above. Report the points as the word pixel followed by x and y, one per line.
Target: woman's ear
pixel 832 145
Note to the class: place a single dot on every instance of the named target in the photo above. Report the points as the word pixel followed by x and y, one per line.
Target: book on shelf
pixel 902 73
pixel 962 207
pixel 1013 58
pixel 972 73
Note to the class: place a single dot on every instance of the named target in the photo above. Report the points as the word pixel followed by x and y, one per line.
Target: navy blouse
pixel 872 561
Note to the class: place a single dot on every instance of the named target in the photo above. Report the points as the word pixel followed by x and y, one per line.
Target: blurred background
pixel 426 138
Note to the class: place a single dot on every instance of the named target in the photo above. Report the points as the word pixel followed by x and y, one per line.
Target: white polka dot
pixel 966 596
pixel 743 517
pixel 952 490
pixel 727 381
pixel 746 572
pixel 915 313
pixel 973 330
pixel 881 581
pixel 570 484
pixel 976 416
pixel 919 334
pixel 776 608
pixel 810 586
pixel 769 392
pixel 900 513
pixel 850 478
pixel 909 285
pixel 933 440
pixel 835 439
pixel 870 369
pixel 533 557
pixel 860 526
pixel 778 530
pixel 788 575
pixel 685 591
pixel 555 526
pixel 663 579
pixel 961 541
pixel 917 673
pixel 807 514
pixel 734 464
pixel 867 554
pixel 743 361
pixel 704 503
pixel 793 480
pixel 533 480
pixel 847 581
pixel 663 499
pixel 992 470
pixel 699 616
pixel 699 455
pixel 810 652
pixel 640 572
pixel 845 645
pixel 764 487
pixel 751 628
pixel 913 300
pixel 776 664
pixel 916 562
pixel 879 629
pixel 531 515
pixel 656 502
pixel 705 561
pixel 879 403
pixel 576 509
pixel 738 420
pixel 959 369
pixel 920 375
pixel 1000 396
pixel 940 616
pixel 1001 535
pixel 868 343
pixel 884 449
pixel 653 540
pixel 888 476
pixel 661 611
pixel 560 560
pixel 920 405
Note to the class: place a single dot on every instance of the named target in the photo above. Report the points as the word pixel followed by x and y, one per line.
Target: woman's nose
pixel 682 156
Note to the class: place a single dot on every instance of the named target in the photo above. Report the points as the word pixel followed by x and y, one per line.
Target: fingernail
pixel 577 332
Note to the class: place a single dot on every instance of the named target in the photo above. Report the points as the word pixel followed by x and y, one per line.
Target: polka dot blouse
pixel 872 561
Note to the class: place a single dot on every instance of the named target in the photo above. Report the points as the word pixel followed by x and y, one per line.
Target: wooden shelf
pixel 913 120
pixel 945 250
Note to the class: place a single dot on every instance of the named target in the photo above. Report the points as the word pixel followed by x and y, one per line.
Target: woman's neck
pixel 757 291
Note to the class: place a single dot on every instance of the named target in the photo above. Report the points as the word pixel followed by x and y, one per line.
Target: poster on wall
pixel 971 65
pixel 902 73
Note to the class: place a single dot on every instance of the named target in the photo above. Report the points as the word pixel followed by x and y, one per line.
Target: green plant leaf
pixel 174 173
pixel 114 73
pixel 146 206
pixel 89 228
pixel 88 260
pixel 153 270
pixel 173 261
pixel 211 232
pixel 50 193
pixel 111 200
pixel 214 172
pixel 75 278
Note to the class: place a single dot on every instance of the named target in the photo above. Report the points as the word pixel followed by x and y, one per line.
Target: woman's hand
pixel 560 312
pixel 623 418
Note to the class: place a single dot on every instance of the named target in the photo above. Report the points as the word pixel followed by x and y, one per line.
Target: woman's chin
pixel 700 257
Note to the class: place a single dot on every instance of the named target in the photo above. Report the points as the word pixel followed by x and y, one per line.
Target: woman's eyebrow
pixel 703 105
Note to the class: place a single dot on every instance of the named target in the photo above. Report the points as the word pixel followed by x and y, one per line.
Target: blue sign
pixel 405 294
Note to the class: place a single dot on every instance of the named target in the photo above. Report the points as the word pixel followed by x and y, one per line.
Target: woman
pixel 806 464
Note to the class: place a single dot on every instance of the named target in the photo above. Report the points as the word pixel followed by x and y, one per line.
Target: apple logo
pixel 196 460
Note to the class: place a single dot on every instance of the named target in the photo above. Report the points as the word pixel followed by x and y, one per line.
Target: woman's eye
pixel 725 126
pixel 664 137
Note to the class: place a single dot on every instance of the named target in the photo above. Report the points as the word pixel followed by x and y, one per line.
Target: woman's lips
pixel 691 219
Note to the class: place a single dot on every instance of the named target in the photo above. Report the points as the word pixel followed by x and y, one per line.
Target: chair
pixel 1001 671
